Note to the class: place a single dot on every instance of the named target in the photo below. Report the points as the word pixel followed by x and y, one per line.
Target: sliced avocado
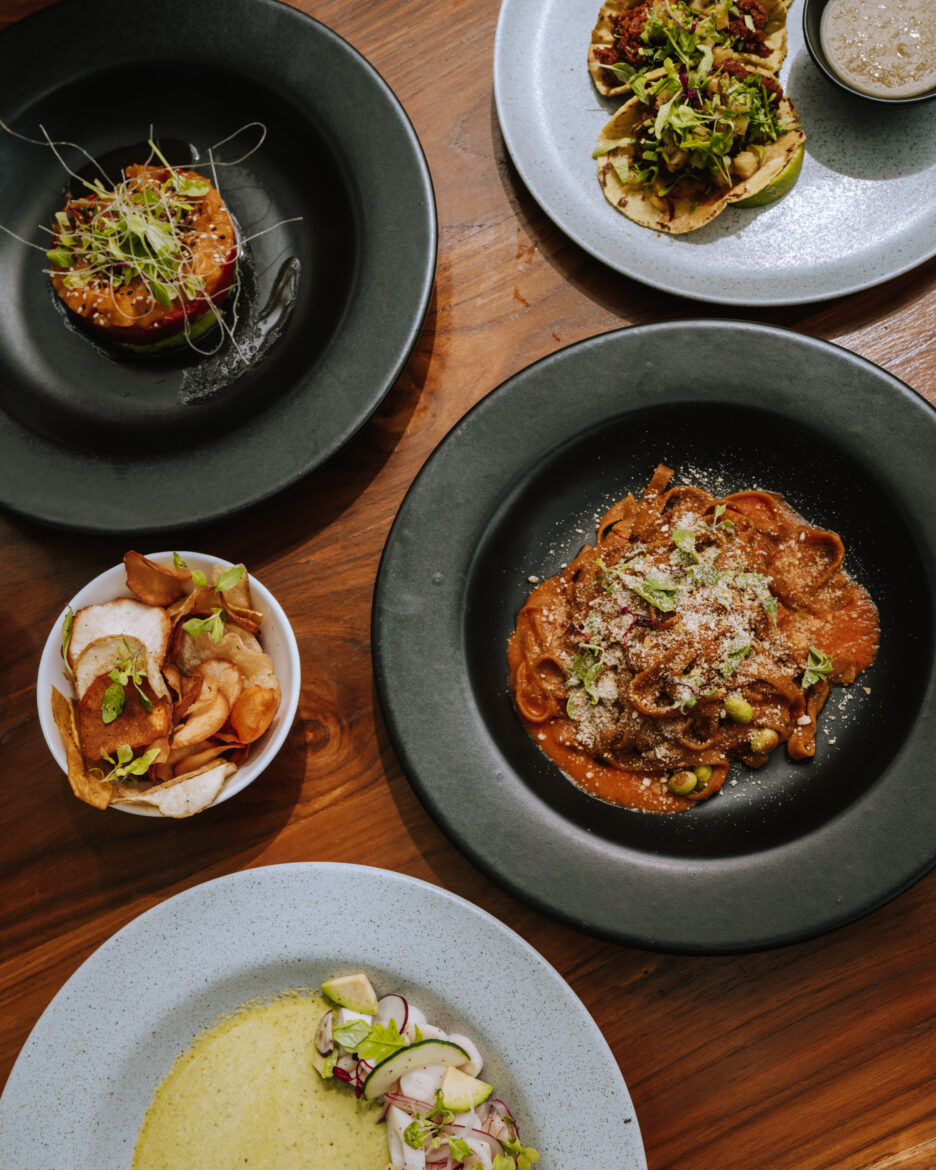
pixel 462 1093
pixel 353 992
pixel 418 1055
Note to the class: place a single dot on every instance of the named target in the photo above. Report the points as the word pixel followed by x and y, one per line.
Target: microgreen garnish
pixel 760 587
pixel 125 764
pixel 660 591
pixel 126 670
pixel 227 580
pixel 518 1157
pixel 727 525
pixel 67 622
pixel 230 578
pixel 818 668
pixel 351 1034
pixel 381 1041
pixel 684 539
pixel 586 668
pixel 213 625
pixel 735 656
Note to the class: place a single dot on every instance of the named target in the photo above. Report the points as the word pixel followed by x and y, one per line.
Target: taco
pixel 689 143
pixel 634 37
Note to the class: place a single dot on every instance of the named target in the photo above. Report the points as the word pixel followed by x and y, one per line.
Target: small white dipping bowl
pixel 276 637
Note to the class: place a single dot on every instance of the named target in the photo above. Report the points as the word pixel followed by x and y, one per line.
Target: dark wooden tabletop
pixel 821 1054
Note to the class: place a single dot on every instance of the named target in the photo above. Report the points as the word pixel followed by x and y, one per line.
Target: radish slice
pixel 392 1007
pixel 475 1063
pixel 324 1042
pixel 423 1082
pixel 402 1155
pixel 414 1019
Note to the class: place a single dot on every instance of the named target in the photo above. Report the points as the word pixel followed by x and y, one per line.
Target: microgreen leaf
pixel 459 1148
pixel 684 539
pixel 736 655
pixel 213 626
pixel 818 667
pixel 351 1034
pixel 382 1041
pixel 113 702
pixel 67 622
pixel 230 578
pixel 126 765
pixel 660 591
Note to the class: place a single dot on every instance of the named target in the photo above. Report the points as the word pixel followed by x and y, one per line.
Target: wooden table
pixel 817 1055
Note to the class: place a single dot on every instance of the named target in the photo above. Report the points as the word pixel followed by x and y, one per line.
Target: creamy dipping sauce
pixel 885 48
pixel 247 1094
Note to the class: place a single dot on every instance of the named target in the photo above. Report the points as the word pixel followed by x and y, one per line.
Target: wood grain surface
pixel 812 1056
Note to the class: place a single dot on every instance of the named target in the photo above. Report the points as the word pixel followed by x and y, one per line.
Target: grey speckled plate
pixel 78 1092
pixel 862 212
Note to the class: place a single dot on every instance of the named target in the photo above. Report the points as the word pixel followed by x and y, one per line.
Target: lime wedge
pixel 780 185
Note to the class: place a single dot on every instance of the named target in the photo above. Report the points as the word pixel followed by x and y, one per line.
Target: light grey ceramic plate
pixel 78 1092
pixel 862 212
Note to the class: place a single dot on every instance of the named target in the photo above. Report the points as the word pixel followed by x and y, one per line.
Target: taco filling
pixel 692 141
pixel 146 263
pixel 633 39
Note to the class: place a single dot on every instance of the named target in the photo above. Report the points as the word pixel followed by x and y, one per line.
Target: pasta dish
pixel 696 631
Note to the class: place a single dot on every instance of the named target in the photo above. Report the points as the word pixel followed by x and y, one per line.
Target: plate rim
pixel 554 834
pixel 165 921
pixel 514 142
pixel 19 443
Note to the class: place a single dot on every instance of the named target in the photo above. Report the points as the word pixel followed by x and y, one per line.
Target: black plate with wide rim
pixel 515 490
pixel 98 443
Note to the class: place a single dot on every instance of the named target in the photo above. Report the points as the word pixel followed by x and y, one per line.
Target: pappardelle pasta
pixel 696 631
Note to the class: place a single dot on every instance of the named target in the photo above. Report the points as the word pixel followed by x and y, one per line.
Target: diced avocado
pixel 352 991
pixel 462 1093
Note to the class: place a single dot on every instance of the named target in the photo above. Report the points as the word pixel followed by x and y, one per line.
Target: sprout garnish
pixel 818 668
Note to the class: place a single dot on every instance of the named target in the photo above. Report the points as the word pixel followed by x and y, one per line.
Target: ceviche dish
pixel 705 123
pixel 330 1080
pixel 145 264
pixel 695 632
pixel 171 686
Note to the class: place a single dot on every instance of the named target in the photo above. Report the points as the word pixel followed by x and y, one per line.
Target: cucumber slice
pixel 352 991
pixel 416 1055
pixel 462 1093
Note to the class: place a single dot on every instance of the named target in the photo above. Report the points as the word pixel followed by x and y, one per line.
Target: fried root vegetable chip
pixel 224 674
pixel 124 616
pixel 155 584
pixel 100 656
pixel 236 646
pixel 94 792
pixel 183 796
pixel 238 602
pixel 253 713
pixel 134 726
pixel 207 714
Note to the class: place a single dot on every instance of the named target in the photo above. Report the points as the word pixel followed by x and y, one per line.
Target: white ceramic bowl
pixel 276 636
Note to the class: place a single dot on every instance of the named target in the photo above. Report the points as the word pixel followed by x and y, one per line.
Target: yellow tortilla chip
pixel 94 792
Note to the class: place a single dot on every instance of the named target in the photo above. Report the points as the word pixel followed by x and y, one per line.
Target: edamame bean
pixel 682 782
pixel 738 710
pixel 764 740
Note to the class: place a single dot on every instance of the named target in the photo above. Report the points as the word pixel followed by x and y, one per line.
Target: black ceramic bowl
pixel 812 20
